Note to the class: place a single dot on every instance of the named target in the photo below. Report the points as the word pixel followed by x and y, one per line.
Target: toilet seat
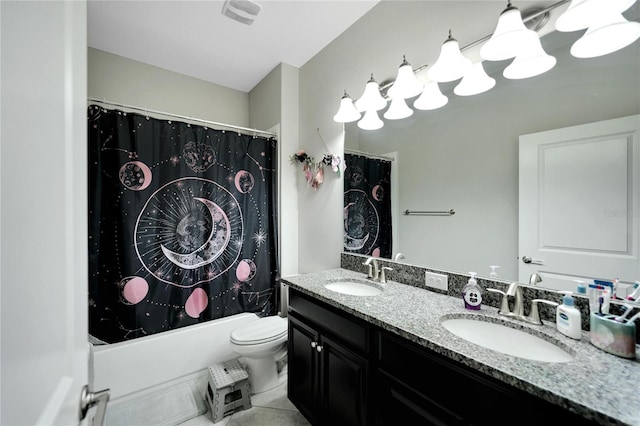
pixel 265 330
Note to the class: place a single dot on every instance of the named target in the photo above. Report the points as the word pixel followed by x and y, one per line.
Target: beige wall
pixel 118 79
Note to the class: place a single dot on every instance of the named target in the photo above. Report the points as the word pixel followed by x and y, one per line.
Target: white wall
pixel 471 161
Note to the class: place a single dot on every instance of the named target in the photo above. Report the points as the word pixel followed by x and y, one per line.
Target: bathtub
pixel 133 366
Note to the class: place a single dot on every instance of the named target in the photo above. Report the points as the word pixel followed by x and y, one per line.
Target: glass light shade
pixel 474 82
pixel 582 13
pixel 371 99
pixel 370 121
pixel 406 84
pixel 531 62
pixel 347 111
pixel 398 109
pixel 611 32
pixel 451 64
pixel 507 38
pixel 431 98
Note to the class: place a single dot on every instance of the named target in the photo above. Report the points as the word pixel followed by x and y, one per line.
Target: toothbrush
pixel 635 317
pixel 622 317
pixel 635 293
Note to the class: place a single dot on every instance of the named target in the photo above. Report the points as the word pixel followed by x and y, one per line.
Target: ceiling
pixel 194 38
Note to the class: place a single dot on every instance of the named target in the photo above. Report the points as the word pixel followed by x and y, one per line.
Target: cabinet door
pixel 343 385
pixel 302 380
pixel 400 404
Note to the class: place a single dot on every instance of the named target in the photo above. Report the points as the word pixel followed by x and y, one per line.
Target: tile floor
pixel 270 408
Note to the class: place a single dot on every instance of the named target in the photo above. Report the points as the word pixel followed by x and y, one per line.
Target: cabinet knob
pixel 319 348
pixel 314 344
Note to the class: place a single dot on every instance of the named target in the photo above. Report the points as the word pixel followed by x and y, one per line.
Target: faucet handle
pixel 504 306
pixel 534 315
pixel 383 278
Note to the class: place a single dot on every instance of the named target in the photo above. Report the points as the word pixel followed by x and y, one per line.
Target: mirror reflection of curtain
pixel 367 206
pixel 182 224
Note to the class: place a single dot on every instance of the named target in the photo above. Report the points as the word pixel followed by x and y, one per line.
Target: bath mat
pixel 166 407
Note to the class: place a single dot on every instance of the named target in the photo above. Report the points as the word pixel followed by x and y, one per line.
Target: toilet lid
pixel 264 330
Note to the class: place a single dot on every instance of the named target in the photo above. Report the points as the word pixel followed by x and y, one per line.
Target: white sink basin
pixel 354 287
pixel 506 340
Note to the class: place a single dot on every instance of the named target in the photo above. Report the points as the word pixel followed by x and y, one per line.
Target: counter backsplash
pixel 415 276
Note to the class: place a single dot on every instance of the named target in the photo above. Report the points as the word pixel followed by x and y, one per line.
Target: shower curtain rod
pixel 366 154
pixel 184 117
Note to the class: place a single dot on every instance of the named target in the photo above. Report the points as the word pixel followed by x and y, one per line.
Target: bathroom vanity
pixel 386 359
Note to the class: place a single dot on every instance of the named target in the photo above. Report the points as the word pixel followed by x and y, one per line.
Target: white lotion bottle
pixel 568 318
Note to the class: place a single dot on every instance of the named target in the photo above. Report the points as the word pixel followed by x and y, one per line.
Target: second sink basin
pixel 506 340
pixel 354 287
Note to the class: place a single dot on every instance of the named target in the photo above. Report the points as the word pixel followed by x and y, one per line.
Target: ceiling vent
pixel 244 11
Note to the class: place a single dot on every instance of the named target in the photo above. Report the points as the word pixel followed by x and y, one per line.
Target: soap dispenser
pixel 493 274
pixel 568 318
pixel 472 293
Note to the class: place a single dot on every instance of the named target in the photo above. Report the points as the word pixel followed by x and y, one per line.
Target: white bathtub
pixel 136 365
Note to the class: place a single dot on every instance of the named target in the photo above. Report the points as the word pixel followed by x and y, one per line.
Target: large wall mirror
pixel 465 156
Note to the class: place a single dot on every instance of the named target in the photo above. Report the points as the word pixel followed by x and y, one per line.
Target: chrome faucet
pixel 398 256
pixel 373 272
pixel 515 290
pixel 534 279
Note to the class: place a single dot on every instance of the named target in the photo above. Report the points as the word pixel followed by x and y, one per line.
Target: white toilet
pixel 262 343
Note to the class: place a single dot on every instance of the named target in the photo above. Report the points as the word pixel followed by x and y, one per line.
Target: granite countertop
pixel 597 385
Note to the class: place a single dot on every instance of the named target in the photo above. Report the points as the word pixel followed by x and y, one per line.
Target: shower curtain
pixel 367 206
pixel 182 224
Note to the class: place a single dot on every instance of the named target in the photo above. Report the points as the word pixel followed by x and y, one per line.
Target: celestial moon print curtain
pixel 367 206
pixel 182 224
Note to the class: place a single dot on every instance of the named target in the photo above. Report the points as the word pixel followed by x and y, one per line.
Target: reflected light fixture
pixel 608 33
pixel 371 99
pixel 398 108
pixel 508 37
pixel 406 84
pixel 347 112
pixel 370 121
pixel 431 98
pixel 451 64
pixel 582 13
pixel 532 61
pixel 474 82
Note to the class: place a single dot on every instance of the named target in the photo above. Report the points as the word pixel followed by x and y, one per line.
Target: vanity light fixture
pixel 347 111
pixel 508 37
pixel 370 121
pixel 431 97
pixel 371 99
pixel 451 64
pixel 406 84
pixel 475 81
pixel 532 61
pixel 398 108
pixel 607 31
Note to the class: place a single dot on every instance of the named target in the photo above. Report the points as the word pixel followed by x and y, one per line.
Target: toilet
pixel 261 343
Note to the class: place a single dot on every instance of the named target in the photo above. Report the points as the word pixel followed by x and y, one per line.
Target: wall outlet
pixel 438 281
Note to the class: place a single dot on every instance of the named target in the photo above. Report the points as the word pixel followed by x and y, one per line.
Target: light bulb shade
pixel 398 109
pixel 431 98
pixel 406 84
pixel 475 81
pixel 583 13
pixel 610 33
pixel 371 99
pixel 451 64
pixel 531 62
pixel 347 112
pixel 370 121
pixel 507 38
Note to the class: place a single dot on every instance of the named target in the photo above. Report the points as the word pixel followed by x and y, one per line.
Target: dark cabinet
pixel 328 376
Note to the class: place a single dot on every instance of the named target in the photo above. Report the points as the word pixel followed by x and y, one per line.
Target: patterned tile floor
pixel 270 408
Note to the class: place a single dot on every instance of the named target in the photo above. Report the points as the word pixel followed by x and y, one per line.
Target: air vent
pixel 244 11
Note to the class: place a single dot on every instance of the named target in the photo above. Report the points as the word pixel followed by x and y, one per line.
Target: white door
pixel 43 214
pixel 579 216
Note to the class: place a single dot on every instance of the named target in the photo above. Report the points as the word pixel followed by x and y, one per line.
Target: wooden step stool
pixel 228 389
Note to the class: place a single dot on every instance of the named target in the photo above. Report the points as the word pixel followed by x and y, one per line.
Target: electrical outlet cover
pixel 437 281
